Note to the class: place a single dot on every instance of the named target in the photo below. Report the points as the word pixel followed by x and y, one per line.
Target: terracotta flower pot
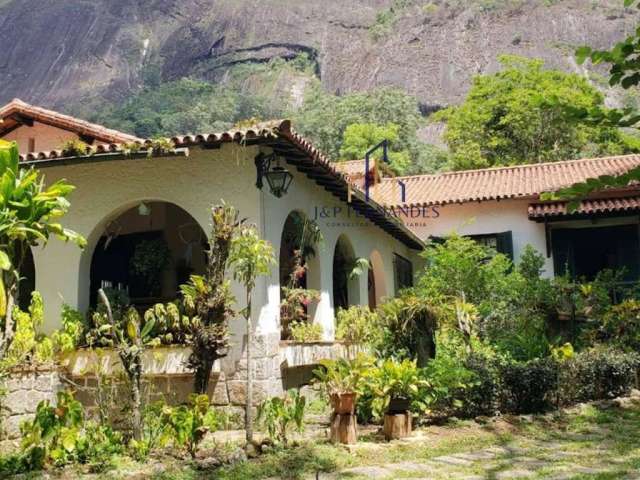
pixel 343 403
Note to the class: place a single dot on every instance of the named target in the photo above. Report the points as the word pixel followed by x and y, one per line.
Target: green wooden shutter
pixel 504 243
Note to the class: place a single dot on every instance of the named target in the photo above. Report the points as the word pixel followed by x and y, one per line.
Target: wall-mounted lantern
pixel 278 178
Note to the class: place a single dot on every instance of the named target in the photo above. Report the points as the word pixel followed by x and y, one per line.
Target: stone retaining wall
pixel 24 390
pixel 164 377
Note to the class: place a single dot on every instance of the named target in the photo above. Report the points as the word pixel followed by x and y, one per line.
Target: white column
pixel 324 314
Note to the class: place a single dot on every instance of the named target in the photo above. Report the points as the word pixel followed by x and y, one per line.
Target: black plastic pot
pixel 399 405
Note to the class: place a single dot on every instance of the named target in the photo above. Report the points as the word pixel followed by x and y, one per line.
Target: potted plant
pixel 341 381
pixel 396 384
pixel 294 308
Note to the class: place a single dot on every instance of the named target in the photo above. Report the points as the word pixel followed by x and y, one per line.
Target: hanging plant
pixel 150 258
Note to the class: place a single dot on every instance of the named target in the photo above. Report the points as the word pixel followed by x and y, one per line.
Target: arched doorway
pixel 345 284
pixel 376 284
pixel 147 252
pixel 299 270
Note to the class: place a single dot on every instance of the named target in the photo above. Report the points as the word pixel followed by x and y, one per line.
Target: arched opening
pixel 345 282
pixel 148 251
pixel 376 285
pixel 298 270
pixel 27 280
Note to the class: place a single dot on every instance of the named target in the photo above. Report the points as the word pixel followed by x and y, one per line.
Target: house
pixel 137 201
pixel 130 193
pixel 501 207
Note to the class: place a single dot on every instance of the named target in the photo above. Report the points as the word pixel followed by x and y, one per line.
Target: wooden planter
pixel 344 428
pixel 344 425
pixel 396 425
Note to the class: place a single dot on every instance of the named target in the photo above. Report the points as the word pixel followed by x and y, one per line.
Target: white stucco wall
pixel 485 218
pixel 338 219
pixel 106 189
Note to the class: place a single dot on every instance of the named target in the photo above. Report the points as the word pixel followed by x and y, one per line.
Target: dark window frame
pixel 402 272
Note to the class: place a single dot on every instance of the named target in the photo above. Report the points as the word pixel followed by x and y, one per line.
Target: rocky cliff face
pixel 57 52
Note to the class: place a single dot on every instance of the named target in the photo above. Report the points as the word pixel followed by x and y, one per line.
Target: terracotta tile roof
pixel 14 111
pixel 278 135
pixel 540 211
pixel 299 152
pixel 523 181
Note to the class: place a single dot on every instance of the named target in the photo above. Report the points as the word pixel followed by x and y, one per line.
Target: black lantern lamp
pixel 278 177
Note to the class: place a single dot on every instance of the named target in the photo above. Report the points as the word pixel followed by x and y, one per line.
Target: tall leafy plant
pixel 208 298
pixel 250 257
pixel 29 215
pixel 130 337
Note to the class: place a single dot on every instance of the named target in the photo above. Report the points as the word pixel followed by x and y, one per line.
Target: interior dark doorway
pixel 148 252
pixel 583 252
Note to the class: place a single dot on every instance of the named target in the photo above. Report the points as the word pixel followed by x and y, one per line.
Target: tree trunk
pixel 136 406
pixel 202 373
pixel 396 425
pixel 344 428
pixel 248 418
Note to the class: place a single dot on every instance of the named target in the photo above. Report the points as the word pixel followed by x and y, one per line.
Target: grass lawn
pixel 597 441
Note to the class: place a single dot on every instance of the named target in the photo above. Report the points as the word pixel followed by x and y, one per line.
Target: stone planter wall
pixel 276 366
pixel 297 354
pixel 24 390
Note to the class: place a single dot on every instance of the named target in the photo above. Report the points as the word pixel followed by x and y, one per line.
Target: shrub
pixel 59 435
pixel 73 325
pixel 448 377
pixel 621 325
pixel 481 395
pixel 598 374
pixel 155 431
pixel 407 325
pixel 278 414
pixel 391 379
pixel 189 423
pixel 76 147
pixel 357 325
pixel 306 332
pixel 27 345
pixel 527 387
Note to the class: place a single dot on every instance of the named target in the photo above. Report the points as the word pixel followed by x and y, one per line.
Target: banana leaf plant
pixel 30 214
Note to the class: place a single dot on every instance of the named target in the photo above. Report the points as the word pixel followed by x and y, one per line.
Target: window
pixel 32 145
pixel 502 242
pixel 403 272
pixel 583 252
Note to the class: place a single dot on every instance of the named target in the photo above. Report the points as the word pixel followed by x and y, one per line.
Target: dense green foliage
pixel 280 415
pixel 189 423
pixel 30 214
pixel 507 119
pixel 624 70
pixel 325 119
pixel 183 106
pixel 59 434
pixel 251 94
